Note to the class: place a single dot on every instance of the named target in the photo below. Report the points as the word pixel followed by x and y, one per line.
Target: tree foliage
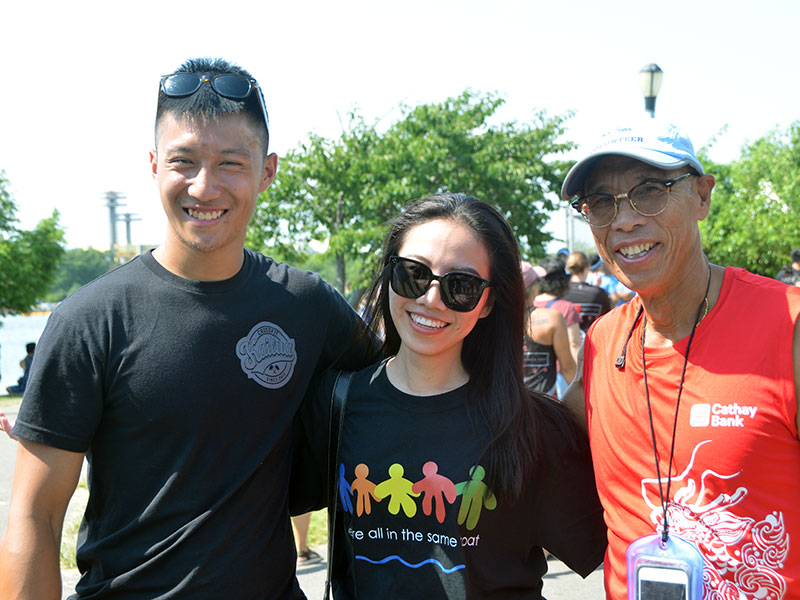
pixel 753 221
pixel 77 268
pixel 27 258
pixel 344 191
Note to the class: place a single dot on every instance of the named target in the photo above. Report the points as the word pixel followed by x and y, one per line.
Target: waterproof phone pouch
pixel 658 570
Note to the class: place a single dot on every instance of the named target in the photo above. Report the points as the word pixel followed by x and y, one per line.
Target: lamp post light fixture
pixel 650 77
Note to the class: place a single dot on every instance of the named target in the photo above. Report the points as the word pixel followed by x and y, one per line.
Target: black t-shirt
pixel 592 302
pixel 416 519
pixel 182 394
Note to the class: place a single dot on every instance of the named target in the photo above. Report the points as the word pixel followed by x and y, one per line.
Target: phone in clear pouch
pixel 661 583
pixel 659 569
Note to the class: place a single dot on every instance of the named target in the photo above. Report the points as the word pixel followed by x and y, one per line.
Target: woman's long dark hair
pixel 492 351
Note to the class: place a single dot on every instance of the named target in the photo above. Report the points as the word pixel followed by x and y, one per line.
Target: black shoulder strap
pixel 341 387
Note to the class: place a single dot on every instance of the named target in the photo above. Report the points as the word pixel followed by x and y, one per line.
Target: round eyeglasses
pixel 648 198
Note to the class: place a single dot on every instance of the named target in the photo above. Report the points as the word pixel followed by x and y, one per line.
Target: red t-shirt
pixel 735 489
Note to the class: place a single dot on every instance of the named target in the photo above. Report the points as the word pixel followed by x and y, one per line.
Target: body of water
pixel 15 332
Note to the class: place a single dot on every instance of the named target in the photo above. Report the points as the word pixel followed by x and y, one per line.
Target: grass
pixel 69 540
pixel 10 401
pixel 318 530
pixel 72 522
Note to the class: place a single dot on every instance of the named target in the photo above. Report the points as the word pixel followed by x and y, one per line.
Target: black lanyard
pixel 701 312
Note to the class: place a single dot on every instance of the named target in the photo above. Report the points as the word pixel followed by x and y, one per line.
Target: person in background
pixel 592 301
pixel 594 276
pixel 546 339
pixel 25 365
pixel 552 288
pixel 790 274
pixel 177 376
pixel 305 555
pixel 453 475
pixel 602 277
pixel 691 390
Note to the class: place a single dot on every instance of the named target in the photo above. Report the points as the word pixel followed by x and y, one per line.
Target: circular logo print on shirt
pixel 268 355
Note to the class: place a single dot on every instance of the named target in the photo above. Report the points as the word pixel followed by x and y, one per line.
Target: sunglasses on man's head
pixel 460 292
pixel 227 85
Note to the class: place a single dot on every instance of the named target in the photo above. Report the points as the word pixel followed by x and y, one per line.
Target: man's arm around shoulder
pixel 44 480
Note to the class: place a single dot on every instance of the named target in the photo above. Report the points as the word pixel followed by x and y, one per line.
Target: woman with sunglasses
pixel 453 477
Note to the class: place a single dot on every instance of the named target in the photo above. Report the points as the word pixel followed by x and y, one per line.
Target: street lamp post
pixel 650 77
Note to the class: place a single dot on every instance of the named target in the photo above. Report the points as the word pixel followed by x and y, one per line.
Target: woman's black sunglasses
pixel 227 85
pixel 460 292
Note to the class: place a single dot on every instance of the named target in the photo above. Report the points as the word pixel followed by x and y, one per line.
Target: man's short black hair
pixel 206 105
pixel 795 255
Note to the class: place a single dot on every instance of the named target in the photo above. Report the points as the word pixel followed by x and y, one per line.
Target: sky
pixel 79 79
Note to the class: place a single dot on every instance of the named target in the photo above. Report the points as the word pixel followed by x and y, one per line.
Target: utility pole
pixel 128 217
pixel 113 202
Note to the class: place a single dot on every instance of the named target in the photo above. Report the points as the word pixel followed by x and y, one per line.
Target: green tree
pixel 27 258
pixel 343 191
pixel 753 221
pixel 77 268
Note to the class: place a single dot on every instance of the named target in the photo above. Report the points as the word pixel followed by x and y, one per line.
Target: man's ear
pixel 705 183
pixel 154 163
pixel 269 171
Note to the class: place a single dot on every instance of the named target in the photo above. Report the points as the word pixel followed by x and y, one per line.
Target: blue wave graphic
pixel 431 561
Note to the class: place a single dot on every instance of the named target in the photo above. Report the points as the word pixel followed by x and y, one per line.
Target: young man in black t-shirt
pixel 178 375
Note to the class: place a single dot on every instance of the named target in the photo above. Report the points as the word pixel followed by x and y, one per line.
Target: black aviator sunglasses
pixel 460 291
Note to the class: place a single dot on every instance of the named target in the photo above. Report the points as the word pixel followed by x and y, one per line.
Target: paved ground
pixel 560 583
